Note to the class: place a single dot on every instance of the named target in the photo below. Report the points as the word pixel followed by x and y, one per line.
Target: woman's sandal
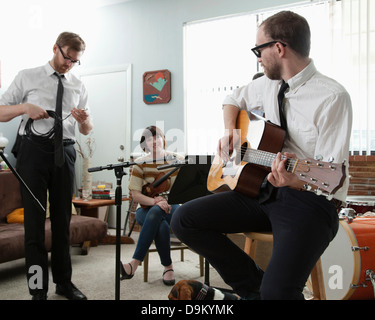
pixel 168 282
pixel 124 274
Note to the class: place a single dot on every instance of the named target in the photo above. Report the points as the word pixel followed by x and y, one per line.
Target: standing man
pixel 50 100
pixel 317 118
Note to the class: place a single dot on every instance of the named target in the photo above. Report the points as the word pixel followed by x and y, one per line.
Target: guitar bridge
pixel 229 169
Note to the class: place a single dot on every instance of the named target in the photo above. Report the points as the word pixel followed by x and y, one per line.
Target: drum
pixel 361 204
pixel 348 264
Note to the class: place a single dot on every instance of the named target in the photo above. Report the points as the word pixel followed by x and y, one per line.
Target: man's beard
pixel 272 72
pixel 61 68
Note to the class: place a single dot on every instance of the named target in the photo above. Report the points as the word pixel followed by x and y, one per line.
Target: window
pixel 353 59
pixel 218 59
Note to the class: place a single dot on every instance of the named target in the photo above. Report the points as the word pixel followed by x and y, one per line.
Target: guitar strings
pixel 264 158
pixel 291 164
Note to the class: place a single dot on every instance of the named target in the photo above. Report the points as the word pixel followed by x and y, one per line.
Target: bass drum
pixel 348 264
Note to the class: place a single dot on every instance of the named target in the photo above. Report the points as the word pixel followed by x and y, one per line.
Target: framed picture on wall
pixel 156 87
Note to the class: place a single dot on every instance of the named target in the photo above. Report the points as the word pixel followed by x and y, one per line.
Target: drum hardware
pixel 355 286
pixel 355 248
pixel 370 276
pixel 348 213
pixel 361 204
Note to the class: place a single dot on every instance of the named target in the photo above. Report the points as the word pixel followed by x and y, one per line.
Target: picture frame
pixel 156 87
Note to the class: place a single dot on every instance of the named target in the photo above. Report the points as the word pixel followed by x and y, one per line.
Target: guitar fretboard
pixel 265 158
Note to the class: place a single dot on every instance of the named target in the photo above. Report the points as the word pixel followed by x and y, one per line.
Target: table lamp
pixel 3 143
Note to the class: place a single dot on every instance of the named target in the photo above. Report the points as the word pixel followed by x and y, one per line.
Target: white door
pixel 109 91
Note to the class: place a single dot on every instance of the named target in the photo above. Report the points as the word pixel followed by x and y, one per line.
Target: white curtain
pixel 353 56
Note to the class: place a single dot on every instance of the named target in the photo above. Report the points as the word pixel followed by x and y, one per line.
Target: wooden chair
pixel 317 281
pixel 174 246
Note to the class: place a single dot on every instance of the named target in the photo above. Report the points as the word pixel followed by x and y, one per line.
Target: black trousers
pixel 35 164
pixel 302 223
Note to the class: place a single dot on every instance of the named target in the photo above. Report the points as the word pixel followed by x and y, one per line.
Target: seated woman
pixel 155 213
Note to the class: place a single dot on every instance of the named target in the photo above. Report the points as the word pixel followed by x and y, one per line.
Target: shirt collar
pixel 301 78
pixel 50 71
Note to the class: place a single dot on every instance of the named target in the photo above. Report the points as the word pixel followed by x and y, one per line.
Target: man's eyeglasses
pixel 66 58
pixel 258 53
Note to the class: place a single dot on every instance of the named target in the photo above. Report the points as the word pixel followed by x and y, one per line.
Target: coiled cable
pixel 43 138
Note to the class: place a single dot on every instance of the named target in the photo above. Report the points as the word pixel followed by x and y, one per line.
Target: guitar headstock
pixel 324 178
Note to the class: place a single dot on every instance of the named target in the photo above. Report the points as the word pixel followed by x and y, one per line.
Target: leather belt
pixel 48 141
pixel 67 142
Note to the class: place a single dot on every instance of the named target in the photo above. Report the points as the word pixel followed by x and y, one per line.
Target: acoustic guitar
pixel 252 159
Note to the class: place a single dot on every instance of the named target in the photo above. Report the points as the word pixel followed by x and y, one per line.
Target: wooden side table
pixel 90 208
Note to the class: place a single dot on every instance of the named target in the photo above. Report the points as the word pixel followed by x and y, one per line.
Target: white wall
pixel 149 34
pixel 146 33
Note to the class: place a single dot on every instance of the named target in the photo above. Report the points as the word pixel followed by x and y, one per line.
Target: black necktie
pixel 280 99
pixel 267 190
pixel 59 148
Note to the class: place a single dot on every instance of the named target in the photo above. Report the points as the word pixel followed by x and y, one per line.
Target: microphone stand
pixel 2 155
pixel 176 165
pixel 119 173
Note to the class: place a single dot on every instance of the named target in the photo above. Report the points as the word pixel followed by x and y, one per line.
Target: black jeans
pixel 302 223
pixel 35 164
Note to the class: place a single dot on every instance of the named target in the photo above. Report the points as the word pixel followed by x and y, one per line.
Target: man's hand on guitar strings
pixel 279 176
pixel 227 144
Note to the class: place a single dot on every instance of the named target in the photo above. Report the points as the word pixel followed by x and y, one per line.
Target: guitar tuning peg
pixel 330 159
pixel 307 187
pixel 318 192
pixel 318 157
pixel 329 197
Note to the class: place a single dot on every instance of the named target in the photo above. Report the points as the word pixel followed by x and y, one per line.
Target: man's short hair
pixel 291 28
pixel 72 40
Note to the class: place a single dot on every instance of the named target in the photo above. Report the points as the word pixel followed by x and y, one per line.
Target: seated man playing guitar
pixel 296 196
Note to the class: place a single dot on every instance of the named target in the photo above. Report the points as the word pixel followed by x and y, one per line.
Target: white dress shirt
pixel 318 114
pixel 39 86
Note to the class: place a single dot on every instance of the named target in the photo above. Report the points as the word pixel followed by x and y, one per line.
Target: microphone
pixel 163 178
pixel 121 164
pixel 177 163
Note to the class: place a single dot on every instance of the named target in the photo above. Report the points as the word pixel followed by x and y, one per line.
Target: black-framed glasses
pixel 258 53
pixel 66 58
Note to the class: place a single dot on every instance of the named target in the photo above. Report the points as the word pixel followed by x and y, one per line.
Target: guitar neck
pixel 265 159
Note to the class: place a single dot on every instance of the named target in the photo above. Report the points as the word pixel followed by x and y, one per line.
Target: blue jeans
pixel 155 226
